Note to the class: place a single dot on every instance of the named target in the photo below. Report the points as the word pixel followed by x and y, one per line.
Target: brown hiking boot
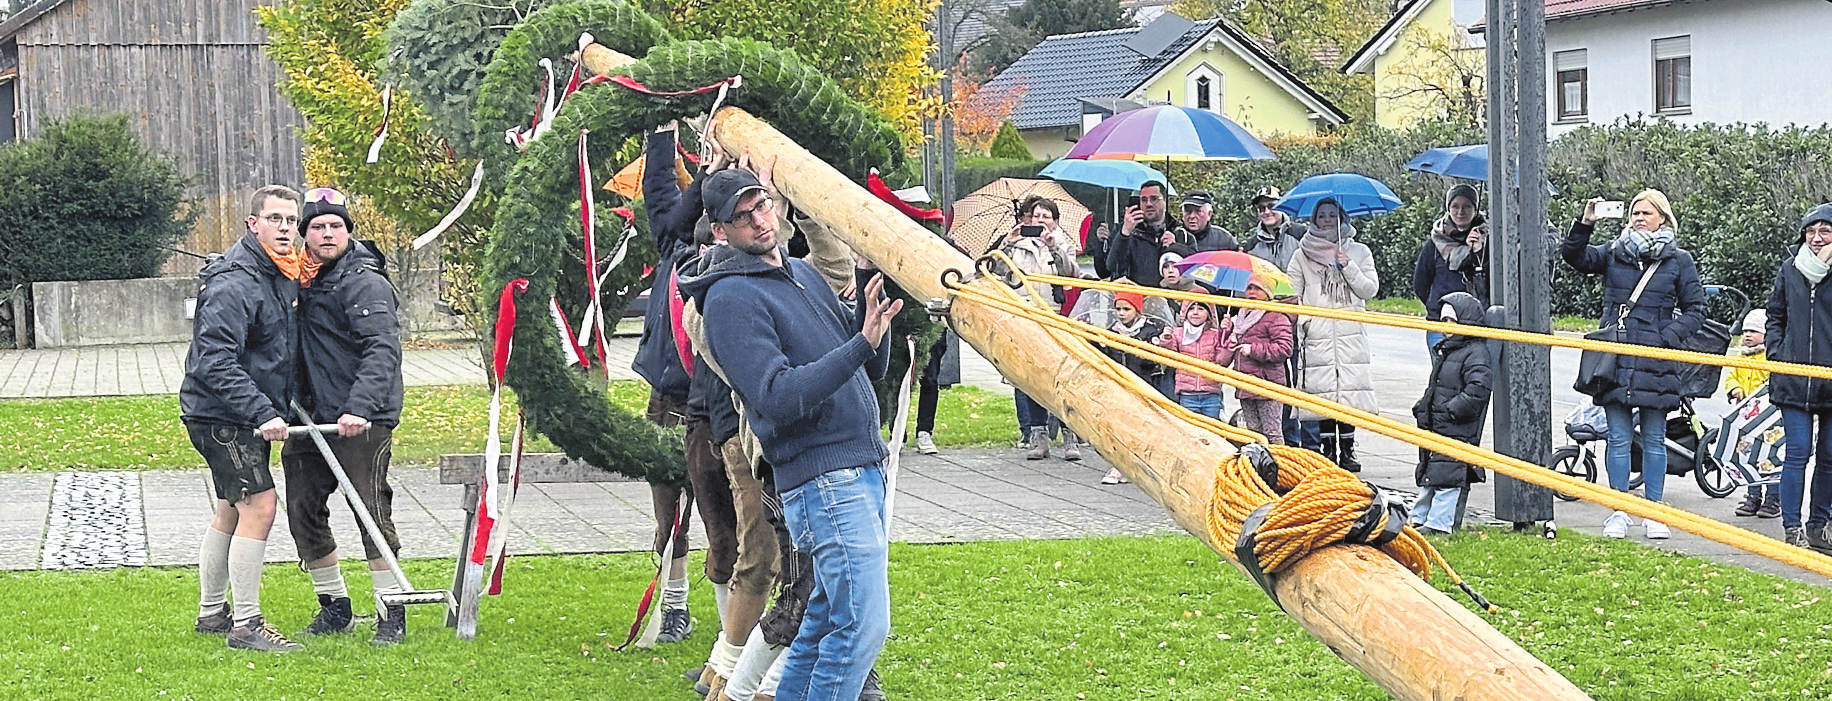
pixel 257 634
pixel 217 623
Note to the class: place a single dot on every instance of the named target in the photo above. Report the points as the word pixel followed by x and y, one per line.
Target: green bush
pixel 974 173
pixel 1738 192
pixel 1008 144
pixel 85 200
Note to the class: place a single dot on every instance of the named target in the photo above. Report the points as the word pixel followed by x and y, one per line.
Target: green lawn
pixel 1006 620
pixel 138 433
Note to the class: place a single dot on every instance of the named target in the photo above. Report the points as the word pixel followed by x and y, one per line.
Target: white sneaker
pixel 1657 530
pixel 925 443
pixel 1616 526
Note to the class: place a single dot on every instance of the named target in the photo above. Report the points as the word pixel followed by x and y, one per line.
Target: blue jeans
pixel 1617 457
pixel 1436 508
pixel 1798 425
pixel 1030 413
pixel 839 518
pixel 1309 435
pixel 1205 403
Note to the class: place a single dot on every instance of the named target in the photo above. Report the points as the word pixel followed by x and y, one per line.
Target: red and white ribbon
pixel 644 636
pixel 588 220
pixel 487 512
pixel 499 550
pixel 381 135
pixel 569 343
pixel 464 205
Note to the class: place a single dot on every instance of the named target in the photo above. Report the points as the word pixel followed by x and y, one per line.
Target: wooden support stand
pixel 1410 639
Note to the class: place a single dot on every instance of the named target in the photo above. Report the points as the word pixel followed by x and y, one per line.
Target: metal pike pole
pixel 409 595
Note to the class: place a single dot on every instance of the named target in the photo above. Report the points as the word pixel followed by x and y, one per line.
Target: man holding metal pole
pixel 350 372
pixel 238 378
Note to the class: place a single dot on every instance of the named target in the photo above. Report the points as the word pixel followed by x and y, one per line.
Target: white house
pixel 1693 61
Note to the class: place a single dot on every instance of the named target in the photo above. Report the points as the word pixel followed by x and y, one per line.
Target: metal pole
pixel 944 40
pixel 1518 274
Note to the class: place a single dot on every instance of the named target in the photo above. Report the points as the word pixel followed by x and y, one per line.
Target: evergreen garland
pixel 440 49
pixel 540 205
pixel 506 98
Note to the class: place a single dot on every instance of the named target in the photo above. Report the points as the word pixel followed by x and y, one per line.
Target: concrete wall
pixel 110 312
pixel 1752 61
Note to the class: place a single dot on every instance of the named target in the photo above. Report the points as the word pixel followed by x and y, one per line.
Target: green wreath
pixel 539 208
pixel 504 100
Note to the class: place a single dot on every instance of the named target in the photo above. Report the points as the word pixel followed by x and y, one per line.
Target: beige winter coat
pixel 1333 358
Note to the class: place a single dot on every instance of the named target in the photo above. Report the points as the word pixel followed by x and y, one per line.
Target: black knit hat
pixel 322 201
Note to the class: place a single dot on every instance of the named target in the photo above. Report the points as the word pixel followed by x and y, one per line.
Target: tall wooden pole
pixel 1410 639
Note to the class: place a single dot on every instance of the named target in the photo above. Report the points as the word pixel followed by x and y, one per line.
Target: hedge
pixel 1738 191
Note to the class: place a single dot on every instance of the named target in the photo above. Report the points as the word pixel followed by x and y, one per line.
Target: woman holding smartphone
pixel 1651 297
pixel 1038 245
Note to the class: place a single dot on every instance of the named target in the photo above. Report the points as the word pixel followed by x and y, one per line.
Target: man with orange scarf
pixel 238 379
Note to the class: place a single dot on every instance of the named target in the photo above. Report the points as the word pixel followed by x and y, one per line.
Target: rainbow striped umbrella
pixel 1170 133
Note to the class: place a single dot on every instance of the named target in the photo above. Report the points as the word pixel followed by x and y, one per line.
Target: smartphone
pixel 1609 210
pixel 1030 230
pixel 1132 201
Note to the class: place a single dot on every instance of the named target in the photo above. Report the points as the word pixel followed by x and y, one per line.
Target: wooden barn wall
pixel 194 83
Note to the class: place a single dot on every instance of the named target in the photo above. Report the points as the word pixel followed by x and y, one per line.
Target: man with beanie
pixel 350 361
pixel 801 362
pixel 238 378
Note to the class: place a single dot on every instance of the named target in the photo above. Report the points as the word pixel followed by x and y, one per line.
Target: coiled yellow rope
pixel 1512 467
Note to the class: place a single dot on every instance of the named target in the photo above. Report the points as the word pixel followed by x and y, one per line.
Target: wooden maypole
pixel 1412 640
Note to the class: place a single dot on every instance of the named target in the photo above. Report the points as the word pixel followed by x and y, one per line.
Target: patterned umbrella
pixel 1170 133
pixel 982 219
pixel 1235 270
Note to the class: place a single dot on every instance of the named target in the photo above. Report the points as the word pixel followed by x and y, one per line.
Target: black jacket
pixel 672 215
pixel 1433 277
pixel 350 342
pixel 1671 309
pixel 1213 238
pixel 239 371
pixel 1456 398
pixel 1135 257
pixel 1799 331
pixel 1149 370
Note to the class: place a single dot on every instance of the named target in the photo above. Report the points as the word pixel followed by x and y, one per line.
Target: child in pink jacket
pixel 1198 337
pixel 1258 344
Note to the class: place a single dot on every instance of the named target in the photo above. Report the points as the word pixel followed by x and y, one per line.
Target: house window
pixel 1673 74
pixel 1202 88
pixel 1571 68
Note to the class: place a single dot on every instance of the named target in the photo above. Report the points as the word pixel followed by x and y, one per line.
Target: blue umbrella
pixel 1358 194
pixel 1124 175
pixel 1467 162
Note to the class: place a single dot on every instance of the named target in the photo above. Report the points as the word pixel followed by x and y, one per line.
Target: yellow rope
pixel 1413 322
pixel 1512 467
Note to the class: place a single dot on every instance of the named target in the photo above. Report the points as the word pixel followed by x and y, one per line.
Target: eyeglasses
pixel 1265 207
pixel 277 220
pixel 327 196
pixel 1821 230
pixel 747 217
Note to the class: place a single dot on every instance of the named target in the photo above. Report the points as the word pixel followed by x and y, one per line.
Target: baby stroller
pixel 1685 434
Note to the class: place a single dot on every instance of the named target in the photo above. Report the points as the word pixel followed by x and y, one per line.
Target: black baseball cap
pixel 723 190
pixel 1197 198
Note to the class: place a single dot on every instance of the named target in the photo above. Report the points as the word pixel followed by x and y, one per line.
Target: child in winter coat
pixel 1130 320
pixel 1456 398
pixel 1260 343
pixel 1198 337
pixel 1762 501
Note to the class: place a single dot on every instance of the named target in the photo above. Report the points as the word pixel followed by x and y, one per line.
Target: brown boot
pixel 1040 444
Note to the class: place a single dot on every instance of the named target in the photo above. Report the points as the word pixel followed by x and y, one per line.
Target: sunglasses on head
pixel 327 196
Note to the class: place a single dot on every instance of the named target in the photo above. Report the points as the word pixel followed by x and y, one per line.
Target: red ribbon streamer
pixel 637 85
pixel 877 187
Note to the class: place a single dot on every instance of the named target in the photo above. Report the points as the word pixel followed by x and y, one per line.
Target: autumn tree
pixel 1020 29
pixel 1444 77
pixel 979 110
pixel 1308 36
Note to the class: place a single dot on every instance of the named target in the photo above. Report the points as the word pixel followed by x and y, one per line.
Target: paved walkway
pixel 967 495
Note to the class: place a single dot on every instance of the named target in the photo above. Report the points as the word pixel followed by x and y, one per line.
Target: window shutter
pixel 1569 60
pixel 1672 47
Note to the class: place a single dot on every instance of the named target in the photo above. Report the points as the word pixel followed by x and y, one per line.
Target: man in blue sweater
pixel 802 362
